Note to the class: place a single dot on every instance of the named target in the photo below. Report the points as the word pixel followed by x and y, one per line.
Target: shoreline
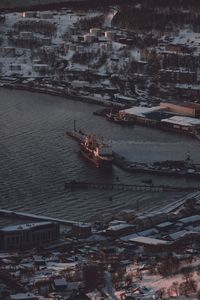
pixel 63 94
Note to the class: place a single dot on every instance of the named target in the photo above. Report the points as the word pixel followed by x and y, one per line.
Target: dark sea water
pixel 37 158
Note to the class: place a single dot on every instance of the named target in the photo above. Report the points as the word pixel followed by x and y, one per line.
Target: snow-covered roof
pixel 191 219
pixel 148 241
pixel 116 222
pixel 140 110
pixel 61 266
pixel 180 234
pixel 119 227
pixel 164 225
pixel 183 121
pixel 148 232
pixel 23 296
pixel 118 96
pixel 24 226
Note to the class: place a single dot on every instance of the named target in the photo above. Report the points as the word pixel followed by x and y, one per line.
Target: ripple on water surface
pixel 37 158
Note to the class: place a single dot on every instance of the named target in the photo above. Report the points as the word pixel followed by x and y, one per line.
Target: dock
pixel 130 166
pixel 75 185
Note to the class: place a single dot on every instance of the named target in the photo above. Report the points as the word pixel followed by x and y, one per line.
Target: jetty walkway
pixel 127 187
pixel 124 164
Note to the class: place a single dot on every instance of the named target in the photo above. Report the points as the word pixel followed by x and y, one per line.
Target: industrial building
pixel 179 118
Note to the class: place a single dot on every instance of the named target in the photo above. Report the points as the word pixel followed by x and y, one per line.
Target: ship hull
pixel 97 161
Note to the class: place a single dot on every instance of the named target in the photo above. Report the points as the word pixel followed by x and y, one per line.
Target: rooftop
pixel 141 110
pixel 23 296
pixel 120 227
pixel 183 121
pixel 164 225
pixel 148 241
pixel 24 226
pixel 191 219
pixel 180 234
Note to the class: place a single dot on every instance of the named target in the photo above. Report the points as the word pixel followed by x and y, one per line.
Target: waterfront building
pixel 187 109
pixel 28 235
pixel 168 116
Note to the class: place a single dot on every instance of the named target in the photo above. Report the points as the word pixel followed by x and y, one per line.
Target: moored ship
pixel 97 151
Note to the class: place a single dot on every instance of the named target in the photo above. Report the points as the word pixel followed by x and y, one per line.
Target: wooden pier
pixel 74 185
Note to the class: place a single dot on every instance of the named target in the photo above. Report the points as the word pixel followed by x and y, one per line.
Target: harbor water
pixel 37 157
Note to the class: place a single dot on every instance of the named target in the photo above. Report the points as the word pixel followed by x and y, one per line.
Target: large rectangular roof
pixel 24 226
pixel 148 241
pixel 191 219
pixel 182 121
pixel 141 110
pixel 120 227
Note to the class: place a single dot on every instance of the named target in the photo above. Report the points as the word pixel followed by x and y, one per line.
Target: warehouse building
pixel 28 235
pixel 179 118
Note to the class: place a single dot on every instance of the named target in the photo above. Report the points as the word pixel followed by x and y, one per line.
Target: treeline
pixel 20 5
pixel 159 18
